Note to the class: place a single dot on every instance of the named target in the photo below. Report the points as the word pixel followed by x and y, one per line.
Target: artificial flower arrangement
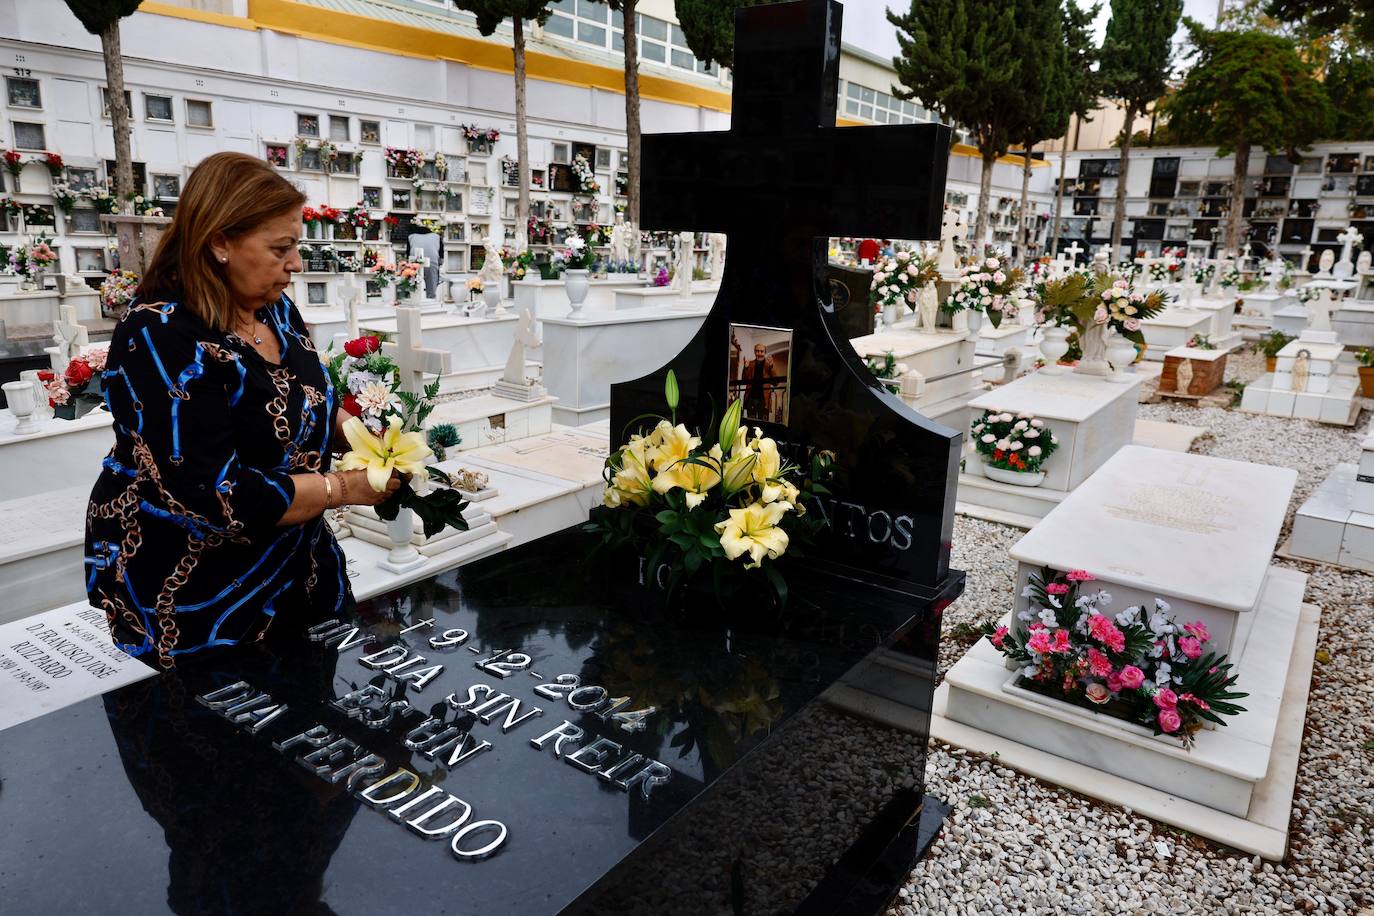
pixel 1309 294
pixel 118 290
pixel 988 287
pixel 102 200
pixel 13 162
pixel 1229 279
pixel 586 177
pixel 431 224
pixel 1020 443
pixel 1200 342
pixel 54 163
pixel 1203 275
pixel 474 286
pixel 721 499
pixel 41 256
pixel 17 263
pixel 10 207
pixel 381 272
pixel 63 196
pixel 577 256
pixel 407 277
pixel 889 371
pixel 358 217
pixel 661 276
pixel 1083 299
pixel 80 387
pixel 1140 665
pixel 386 433
pixel 1165 271
pixel 39 215
pixel 897 280
pixel 403 160
pixel 473 132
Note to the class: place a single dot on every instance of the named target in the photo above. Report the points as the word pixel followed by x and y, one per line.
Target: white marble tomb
pixel 1336 523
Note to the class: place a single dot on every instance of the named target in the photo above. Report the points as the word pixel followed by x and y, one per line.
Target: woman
pixel 206 523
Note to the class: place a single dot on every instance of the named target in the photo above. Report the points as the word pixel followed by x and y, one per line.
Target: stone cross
pixel 69 335
pixel 1273 272
pixel 1073 251
pixel 783 183
pixel 1304 258
pixel 1344 265
pixel 952 228
pixel 412 358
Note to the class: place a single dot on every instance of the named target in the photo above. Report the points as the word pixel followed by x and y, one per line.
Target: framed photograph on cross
pixel 760 369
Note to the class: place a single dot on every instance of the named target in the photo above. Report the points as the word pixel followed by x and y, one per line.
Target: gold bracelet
pixel 328 492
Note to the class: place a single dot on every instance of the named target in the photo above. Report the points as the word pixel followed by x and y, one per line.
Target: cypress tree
pixel 1134 67
pixel 1079 85
pixel 960 57
pixel 710 27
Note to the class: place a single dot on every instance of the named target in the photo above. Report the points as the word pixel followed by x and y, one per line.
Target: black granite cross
pixel 779 183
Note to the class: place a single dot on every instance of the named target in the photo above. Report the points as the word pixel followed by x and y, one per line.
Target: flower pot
pixel 1367 381
pixel 1015 478
pixel 399 531
pixel 1121 354
pixel 1271 363
pixel 1094 344
pixel 1053 347
pixel 388 294
pixel 491 295
pixel 20 399
pixel 890 314
pixel 975 320
pixel 958 321
pixel 576 284
pixel 74 409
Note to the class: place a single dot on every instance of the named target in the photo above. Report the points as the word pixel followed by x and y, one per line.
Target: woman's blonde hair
pixel 232 193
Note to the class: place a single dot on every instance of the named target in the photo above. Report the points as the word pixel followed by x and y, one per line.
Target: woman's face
pixel 259 264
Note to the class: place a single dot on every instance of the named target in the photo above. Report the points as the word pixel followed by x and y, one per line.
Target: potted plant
pixel 988 287
pixel 897 283
pixel 79 389
pixel 577 259
pixel 1365 358
pixel 1270 344
pixel 1013 448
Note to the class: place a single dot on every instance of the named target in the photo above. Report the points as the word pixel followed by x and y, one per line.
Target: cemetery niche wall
pixel 543 730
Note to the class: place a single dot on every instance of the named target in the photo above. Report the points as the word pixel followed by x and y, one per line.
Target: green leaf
pixel 778 582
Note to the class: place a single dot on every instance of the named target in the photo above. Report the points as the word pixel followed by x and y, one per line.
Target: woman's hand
pixel 358 492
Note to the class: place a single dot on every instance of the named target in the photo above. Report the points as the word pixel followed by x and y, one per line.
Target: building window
pixel 23 93
pixel 338 128
pixel 649 27
pixel 372 198
pixel 84 219
pixel 591 34
pixel 652 50
pixel 198 113
pixel 561 154
pixel 308 125
pixel 370 131
pixel 166 187
pixel 29 136
pixel 158 108
pixel 594 10
pixel 80 179
pixel 559 25
pixel 105 102
pixel 309 160
pixel 879 106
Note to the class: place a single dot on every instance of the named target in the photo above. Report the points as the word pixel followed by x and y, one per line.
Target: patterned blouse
pixel 183 550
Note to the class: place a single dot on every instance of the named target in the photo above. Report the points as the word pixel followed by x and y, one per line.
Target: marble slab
pixel 57 455
pixel 549 298
pixel 1092 417
pixel 583 357
pixel 945 363
pixel 1330 527
pixel 59 657
pixel 490 420
pixel 1171 328
pixel 41 540
pixel 327 325
pixel 1152 523
pixel 1339 405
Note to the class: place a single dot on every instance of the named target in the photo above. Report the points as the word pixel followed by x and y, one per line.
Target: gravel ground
pixel 1016 845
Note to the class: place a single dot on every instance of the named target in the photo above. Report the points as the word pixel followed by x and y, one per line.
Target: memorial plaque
pixel 544 731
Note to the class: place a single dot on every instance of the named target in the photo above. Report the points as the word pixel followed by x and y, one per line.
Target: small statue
pixel 1300 370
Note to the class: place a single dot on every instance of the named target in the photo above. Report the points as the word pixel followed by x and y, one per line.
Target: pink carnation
pixel 1061 641
pixel 999 635
pixel 1132 677
pixel 1106 632
pixel 1190 646
pixel 1196 701
pixel 1166 698
pixel 1197 628
pixel 1169 720
pixel 1079 575
pixel 1099 664
pixel 1057 588
pixel 1040 642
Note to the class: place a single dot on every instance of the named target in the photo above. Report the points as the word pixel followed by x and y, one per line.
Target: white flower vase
pixel 959 321
pixel 929 303
pixel 1121 354
pixel 1093 342
pixel 576 284
pixel 974 320
pixel 491 296
pixel 1015 478
pixel 388 293
pixel 22 403
pixel 403 554
pixel 1053 346
pixel 890 314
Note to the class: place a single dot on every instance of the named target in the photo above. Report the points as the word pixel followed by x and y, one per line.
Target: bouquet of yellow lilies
pixel 707 501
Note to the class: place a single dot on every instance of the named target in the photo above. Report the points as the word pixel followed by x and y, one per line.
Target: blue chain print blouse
pixel 183 550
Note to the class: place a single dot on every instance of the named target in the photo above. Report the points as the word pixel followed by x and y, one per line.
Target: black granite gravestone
pixel 782 180
pixel 849 299
pixel 534 732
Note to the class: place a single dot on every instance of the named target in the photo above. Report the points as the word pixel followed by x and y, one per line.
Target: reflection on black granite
pixel 768 788
pixel 245 831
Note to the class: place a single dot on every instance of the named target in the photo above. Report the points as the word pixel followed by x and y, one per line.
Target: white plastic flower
pixel 994 263
pixel 989 438
pixel 1031 434
pixel 1037 423
pixel 1034 451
